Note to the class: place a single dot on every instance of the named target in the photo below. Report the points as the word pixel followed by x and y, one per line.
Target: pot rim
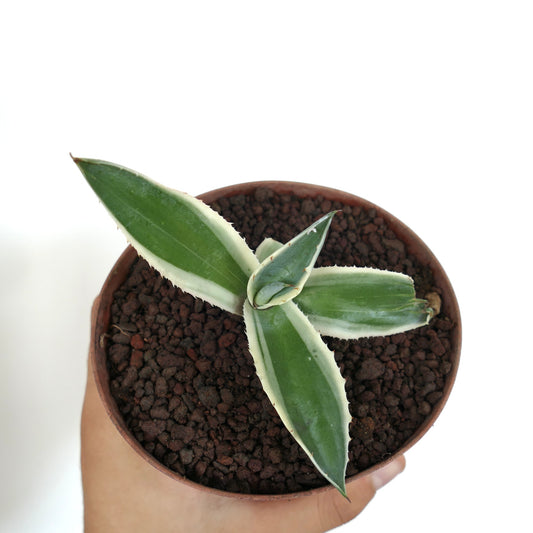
pixel 412 242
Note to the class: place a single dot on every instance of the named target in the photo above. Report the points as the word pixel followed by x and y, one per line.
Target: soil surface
pixel 185 383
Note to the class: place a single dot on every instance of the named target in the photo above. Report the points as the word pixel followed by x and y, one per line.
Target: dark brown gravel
pixel 185 384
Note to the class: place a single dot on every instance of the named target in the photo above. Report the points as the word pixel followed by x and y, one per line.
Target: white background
pixel 422 107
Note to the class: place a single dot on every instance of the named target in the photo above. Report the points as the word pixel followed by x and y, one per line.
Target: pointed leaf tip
pixel 282 275
pixel 299 374
pixel 179 235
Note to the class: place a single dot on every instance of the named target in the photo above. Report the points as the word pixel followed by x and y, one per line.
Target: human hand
pixel 123 493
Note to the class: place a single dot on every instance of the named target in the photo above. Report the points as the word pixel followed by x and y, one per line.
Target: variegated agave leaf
pixel 267 248
pixel 353 302
pixel 299 374
pixel 185 240
pixel 282 275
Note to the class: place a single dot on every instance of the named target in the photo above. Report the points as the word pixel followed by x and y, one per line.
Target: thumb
pixel 326 510
pixel 334 510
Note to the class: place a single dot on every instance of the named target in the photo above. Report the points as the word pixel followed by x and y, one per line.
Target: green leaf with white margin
pixel 281 276
pixel 353 302
pixel 180 236
pixel 266 248
pixel 299 374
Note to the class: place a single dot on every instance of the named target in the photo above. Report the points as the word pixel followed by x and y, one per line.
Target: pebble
pixel 137 342
pixel 159 412
pixel 255 465
pixel 186 456
pixel 209 396
pixel 161 387
pixel 370 369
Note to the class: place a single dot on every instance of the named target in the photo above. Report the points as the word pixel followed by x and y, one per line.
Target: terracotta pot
pixel 121 270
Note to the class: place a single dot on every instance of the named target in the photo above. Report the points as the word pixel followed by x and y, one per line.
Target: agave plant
pixel 286 303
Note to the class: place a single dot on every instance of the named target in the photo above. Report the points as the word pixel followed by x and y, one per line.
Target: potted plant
pixel 285 305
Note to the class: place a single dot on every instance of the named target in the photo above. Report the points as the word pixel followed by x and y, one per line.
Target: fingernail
pixel 382 476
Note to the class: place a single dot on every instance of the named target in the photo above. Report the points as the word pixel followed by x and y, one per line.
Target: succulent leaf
pixel 266 248
pixel 352 302
pixel 180 236
pixel 282 275
pixel 299 374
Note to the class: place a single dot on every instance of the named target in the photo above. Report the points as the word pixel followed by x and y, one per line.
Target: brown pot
pixel 121 270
